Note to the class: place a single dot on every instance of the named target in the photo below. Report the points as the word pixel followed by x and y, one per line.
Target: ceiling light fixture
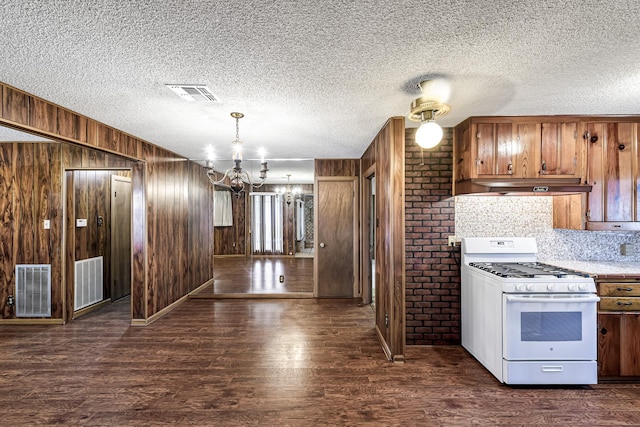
pixel 236 176
pixel 289 194
pixel 425 110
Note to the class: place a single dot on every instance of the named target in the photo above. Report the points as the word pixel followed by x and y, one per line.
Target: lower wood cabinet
pixel 619 331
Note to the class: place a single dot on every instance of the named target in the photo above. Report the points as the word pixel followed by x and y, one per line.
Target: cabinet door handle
pixel 625 289
pixel 621 147
pixel 624 303
pixel 544 166
pixel 510 168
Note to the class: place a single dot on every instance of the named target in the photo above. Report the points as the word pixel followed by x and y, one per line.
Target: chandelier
pixel 288 193
pixel 235 178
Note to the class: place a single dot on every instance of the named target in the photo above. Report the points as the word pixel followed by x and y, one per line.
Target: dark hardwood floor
pixel 261 277
pixel 279 362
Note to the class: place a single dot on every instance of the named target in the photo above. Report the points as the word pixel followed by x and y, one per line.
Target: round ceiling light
pixel 425 110
pixel 429 134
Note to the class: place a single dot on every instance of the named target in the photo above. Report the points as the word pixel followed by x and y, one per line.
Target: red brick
pixel 432 275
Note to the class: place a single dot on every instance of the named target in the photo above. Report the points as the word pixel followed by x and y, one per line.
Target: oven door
pixel 549 327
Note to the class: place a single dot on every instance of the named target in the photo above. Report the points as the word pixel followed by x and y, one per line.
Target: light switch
pixel 47 224
pixel 81 222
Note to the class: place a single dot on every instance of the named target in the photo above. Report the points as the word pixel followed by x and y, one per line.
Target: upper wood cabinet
pixel 519 147
pixel 561 150
pixel 612 170
pixel 600 151
pixel 498 149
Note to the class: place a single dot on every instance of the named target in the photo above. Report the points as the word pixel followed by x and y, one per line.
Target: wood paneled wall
pixel 30 192
pixel 200 224
pixel 166 190
pixel 232 240
pixel 387 154
pixel 337 167
pixel 368 158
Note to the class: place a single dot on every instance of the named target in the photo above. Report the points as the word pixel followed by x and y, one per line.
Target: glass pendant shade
pixel 429 134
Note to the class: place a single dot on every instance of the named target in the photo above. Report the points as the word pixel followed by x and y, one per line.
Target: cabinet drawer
pixel 619 304
pixel 619 289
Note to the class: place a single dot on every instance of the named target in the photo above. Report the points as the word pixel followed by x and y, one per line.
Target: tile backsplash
pixel 513 216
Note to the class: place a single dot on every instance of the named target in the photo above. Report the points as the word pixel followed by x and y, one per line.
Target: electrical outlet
pixel 453 241
pixel 628 249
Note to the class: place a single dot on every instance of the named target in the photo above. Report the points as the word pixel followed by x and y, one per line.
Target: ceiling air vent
pixel 193 93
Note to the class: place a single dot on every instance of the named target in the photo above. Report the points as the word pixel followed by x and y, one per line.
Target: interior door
pixel 120 237
pixel 336 241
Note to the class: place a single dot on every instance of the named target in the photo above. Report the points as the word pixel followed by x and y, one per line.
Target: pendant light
pixel 236 177
pixel 425 110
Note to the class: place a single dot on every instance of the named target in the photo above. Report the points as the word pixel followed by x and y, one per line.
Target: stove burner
pixel 526 270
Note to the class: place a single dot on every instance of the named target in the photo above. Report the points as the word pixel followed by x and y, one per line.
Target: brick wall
pixel 432 274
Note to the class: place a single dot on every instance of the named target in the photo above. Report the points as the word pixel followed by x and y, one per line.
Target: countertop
pixel 603 269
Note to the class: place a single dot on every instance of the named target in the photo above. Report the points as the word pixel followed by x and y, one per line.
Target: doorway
pixel 304 226
pixel 95 221
pixel 120 237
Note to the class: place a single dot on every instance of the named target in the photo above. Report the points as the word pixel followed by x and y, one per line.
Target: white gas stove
pixel 525 321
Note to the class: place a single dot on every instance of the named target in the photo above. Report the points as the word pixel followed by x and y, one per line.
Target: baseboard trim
pixel 296 295
pixel 91 308
pixel 170 307
pixel 25 321
pixel 201 287
pixel 161 313
pixel 383 344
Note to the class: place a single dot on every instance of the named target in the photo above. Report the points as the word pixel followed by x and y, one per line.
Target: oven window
pixel 551 326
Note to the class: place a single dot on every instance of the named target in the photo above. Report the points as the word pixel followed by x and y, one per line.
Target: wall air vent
pixel 89 282
pixel 33 290
pixel 193 93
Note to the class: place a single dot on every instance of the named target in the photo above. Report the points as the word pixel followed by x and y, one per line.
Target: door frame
pixel 69 240
pixel 366 272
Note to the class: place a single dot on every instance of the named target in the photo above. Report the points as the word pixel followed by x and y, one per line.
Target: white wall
pixel 512 216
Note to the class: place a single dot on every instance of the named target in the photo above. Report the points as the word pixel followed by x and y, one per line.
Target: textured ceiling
pixel 317 79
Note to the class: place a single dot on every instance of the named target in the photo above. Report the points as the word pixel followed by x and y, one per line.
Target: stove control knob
pixel 584 287
pixel 531 287
pixel 551 287
pixel 520 287
pixel 573 287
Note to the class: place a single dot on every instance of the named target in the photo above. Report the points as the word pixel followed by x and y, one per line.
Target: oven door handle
pixel 577 298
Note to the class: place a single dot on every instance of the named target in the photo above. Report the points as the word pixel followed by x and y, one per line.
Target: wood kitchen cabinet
pixel 599 151
pixel 561 150
pixel 619 329
pixel 519 147
pixel 497 148
pixel 612 170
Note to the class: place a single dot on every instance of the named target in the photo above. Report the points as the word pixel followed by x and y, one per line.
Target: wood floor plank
pixel 268 363
pixel 261 276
